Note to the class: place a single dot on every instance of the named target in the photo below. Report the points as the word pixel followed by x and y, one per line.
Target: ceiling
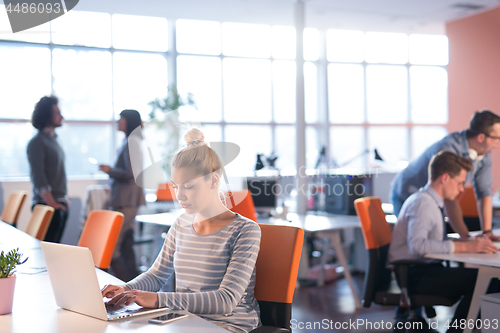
pixel 409 16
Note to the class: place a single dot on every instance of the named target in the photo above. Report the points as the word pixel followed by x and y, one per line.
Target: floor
pixel 328 308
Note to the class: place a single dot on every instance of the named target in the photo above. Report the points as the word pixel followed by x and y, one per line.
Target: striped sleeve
pixel 157 275
pixel 235 280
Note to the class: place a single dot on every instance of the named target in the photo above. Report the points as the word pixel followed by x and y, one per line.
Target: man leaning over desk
pixel 475 143
pixel 421 230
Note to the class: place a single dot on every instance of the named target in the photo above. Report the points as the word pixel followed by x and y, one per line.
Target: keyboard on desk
pixel 123 310
pixel 112 310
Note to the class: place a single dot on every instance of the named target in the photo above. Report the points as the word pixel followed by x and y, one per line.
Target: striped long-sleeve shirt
pixel 215 273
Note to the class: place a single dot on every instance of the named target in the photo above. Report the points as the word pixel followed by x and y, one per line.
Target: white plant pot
pixel 7 292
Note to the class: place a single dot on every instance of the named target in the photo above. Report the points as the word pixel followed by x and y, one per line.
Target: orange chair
pixel 40 221
pixel 12 208
pixel 241 202
pixel 377 287
pixel 100 235
pixel 468 203
pixel 276 274
pixel 165 192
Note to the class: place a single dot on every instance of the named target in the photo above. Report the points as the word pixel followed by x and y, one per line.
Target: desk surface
pixel 166 218
pixel 317 223
pixel 486 259
pixel 310 223
pixel 35 308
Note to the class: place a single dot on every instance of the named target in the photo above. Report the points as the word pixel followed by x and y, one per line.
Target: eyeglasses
pixel 461 184
pixel 493 137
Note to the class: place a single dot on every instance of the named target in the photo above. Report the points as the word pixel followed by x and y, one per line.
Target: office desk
pixel 327 228
pixel 166 219
pixel 35 309
pixel 489 267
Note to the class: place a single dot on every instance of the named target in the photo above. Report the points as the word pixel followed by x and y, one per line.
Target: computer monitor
pixel 265 192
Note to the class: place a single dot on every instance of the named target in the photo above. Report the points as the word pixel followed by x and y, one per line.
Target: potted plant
pixel 168 119
pixel 8 263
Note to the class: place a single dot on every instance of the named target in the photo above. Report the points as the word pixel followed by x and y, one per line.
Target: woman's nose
pixel 179 195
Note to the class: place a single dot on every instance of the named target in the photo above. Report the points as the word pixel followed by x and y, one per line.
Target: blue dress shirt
pixel 420 228
pixel 416 174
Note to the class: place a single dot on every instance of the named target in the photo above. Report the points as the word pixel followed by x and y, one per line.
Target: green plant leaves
pixel 9 261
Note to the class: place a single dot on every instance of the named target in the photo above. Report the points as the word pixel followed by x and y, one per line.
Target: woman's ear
pixel 214 179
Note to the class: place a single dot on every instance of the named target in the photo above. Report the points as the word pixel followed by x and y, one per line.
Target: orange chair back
pixel 40 221
pixel 100 235
pixel 12 208
pixel 241 202
pixel 278 262
pixel 468 203
pixel 165 192
pixel 376 230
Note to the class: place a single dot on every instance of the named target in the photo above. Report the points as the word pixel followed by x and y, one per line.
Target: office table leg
pixel 324 256
pixel 484 275
pixel 337 246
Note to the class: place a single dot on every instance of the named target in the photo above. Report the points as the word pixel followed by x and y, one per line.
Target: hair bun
pixel 194 137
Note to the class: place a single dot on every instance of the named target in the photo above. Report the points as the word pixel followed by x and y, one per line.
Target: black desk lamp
pixel 377 157
pixel 259 164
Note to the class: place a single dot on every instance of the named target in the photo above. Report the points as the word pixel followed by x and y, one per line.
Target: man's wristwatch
pixel 486 232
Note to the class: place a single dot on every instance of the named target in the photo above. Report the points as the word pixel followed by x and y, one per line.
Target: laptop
pixel 76 288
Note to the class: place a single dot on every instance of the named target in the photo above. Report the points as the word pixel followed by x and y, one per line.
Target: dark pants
pixel 123 261
pixel 123 267
pixel 57 225
pixel 453 282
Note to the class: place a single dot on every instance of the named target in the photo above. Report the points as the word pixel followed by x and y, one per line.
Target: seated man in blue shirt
pixel 475 143
pixel 421 230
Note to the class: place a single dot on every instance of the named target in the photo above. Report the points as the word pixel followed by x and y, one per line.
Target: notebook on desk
pixel 74 282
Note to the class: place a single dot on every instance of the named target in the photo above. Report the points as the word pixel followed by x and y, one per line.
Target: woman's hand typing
pixel 110 290
pixel 143 298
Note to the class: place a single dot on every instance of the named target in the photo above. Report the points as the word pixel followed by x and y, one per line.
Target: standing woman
pixel 126 195
pixel 211 250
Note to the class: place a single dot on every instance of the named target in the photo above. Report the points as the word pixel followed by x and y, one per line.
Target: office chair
pixel 241 202
pixel 12 208
pixel 276 274
pixel 165 192
pixel 377 285
pixel 100 235
pixel 468 204
pixel 40 221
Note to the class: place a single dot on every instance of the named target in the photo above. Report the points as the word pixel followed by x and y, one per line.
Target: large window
pixel 363 90
pixel 95 72
pixel 388 83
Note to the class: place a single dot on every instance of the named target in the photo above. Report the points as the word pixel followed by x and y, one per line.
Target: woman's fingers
pixel 110 290
pixel 115 301
pixel 142 298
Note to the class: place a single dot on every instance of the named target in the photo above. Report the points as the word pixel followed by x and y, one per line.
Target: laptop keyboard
pixel 111 310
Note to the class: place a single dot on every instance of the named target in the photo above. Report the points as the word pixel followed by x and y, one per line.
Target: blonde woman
pixel 211 250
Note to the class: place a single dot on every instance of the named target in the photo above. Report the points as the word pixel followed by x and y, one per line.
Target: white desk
pixel 35 309
pixel 166 219
pixel 328 229
pixel 489 267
